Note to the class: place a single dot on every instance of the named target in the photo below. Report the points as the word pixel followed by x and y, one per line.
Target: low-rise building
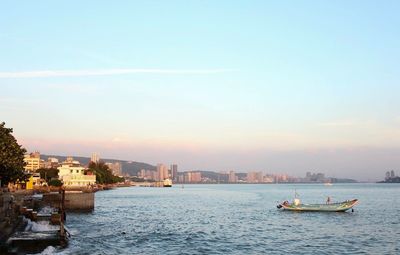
pixel 51 163
pixel 32 162
pixel 71 173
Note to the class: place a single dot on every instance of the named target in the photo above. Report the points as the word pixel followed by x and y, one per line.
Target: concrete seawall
pixel 14 205
pixel 74 201
pixel 9 217
pixel 79 201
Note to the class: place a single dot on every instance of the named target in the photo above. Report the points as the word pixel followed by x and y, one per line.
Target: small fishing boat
pixel 329 207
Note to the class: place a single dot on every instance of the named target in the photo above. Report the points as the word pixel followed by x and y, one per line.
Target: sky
pixel 273 86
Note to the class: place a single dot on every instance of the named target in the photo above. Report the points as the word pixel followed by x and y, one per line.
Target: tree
pixel 55 183
pixel 11 157
pixel 103 173
pixel 48 173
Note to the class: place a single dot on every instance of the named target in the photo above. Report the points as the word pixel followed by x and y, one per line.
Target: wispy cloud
pixel 99 72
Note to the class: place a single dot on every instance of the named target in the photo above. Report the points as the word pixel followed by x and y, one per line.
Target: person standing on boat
pixel 328 200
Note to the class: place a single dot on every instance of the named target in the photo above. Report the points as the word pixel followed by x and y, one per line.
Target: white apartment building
pixel 71 173
pixel 32 162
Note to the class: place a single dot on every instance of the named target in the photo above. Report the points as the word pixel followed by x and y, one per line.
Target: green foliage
pixel 103 173
pixel 11 157
pixel 48 173
pixel 55 182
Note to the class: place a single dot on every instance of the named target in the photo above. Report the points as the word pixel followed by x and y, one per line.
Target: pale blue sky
pixel 278 86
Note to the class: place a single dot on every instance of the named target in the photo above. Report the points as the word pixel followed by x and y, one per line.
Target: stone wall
pixel 52 199
pixel 79 201
pixel 9 220
pixel 74 201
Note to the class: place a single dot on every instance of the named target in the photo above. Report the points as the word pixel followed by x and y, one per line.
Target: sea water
pixel 237 219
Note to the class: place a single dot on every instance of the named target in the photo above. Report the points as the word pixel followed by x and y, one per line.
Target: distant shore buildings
pixel 233 178
pixel 192 177
pixel 315 177
pixel 391 177
pixel 253 177
pixel 95 158
pixel 163 171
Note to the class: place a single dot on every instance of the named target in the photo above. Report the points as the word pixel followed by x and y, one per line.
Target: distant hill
pixel 128 167
pixel 211 175
pixel 342 180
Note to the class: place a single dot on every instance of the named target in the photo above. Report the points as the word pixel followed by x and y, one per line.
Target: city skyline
pixel 281 87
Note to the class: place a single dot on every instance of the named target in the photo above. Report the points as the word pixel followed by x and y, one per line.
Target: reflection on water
pixel 237 219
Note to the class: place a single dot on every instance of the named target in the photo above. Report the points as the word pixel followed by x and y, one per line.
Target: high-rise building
pixel 142 173
pixel 174 172
pixel 192 177
pixel 196 177
pixel 162 172
pixel 232 177
pixel 115 168
pixel 188 177
pixel 95 158
pixel 392 174
pixel 32 161
pixel 254 177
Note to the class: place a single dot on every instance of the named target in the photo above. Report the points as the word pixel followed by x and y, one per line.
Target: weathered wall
pixel 52 199
pixel 73 201
pixel 79 201
pixel 9 220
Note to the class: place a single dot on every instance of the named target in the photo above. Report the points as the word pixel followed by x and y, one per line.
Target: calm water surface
pixel 237 219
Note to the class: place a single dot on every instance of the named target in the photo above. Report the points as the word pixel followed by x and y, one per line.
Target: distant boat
pixel 328 184
pixel 332 207
pixel 167 183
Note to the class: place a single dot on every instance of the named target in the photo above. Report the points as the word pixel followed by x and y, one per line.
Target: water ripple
pixel 236 219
